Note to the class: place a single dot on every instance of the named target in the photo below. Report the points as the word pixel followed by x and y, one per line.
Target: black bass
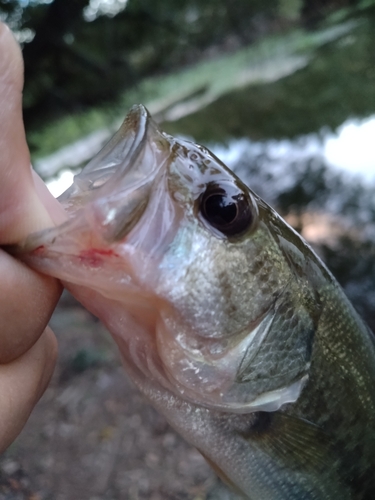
pixel 226 320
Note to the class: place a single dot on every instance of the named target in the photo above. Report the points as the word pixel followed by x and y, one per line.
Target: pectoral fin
pixel 302 457
pixel 299 442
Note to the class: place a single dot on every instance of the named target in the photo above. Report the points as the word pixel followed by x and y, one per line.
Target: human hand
pixel 27 299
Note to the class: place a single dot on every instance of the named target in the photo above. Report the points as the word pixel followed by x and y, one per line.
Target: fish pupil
pixel 220 209
pixel 226 208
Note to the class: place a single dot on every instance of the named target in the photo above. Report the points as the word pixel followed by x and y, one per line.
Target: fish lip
pixel 138 119
pixel 111 164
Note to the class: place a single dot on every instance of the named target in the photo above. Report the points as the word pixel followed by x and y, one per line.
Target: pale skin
pixel 27 299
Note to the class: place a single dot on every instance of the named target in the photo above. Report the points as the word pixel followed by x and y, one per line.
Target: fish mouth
pixel 118 157
pixel 115 187
pixel 119 216
pixel 109 196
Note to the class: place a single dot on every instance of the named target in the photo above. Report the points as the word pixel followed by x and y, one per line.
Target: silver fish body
pixel 226 320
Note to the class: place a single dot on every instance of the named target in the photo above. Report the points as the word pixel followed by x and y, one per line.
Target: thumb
pixel 24 207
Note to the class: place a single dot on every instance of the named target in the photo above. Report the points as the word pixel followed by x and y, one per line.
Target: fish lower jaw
pixel 213 383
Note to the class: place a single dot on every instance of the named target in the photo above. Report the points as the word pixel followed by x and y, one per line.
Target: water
pixel 350 149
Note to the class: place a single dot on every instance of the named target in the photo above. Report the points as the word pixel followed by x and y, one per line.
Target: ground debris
pixel 93 437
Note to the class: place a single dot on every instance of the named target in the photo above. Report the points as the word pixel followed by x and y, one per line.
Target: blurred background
pixel 283 91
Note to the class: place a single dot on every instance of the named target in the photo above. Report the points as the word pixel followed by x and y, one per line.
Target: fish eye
pixel 227 208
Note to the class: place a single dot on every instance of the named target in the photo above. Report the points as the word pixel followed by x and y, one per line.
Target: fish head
pixel 206 290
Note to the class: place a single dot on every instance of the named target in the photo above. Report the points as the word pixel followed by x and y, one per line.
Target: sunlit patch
pixel 322 228
pixel 352 147
pixel 60 183
pixel 98 8
pixel 349 149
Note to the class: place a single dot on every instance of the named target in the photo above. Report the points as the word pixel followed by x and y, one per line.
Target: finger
pixel 21 209
pixel 27 300
pixel 22 382
pixel 53 207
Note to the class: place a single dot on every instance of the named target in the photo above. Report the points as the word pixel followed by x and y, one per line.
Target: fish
pixel 226 320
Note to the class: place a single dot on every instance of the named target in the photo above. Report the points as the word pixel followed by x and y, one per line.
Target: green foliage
pixel 337 84
pixel 290 9
pixel 72 64
pixel 47 138
pixel 206 80
pixel 365 4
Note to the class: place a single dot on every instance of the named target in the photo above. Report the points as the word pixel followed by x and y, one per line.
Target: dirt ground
pixel 93 436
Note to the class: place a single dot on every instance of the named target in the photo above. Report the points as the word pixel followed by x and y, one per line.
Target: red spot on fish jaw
pixel 94 257
pixel 38 250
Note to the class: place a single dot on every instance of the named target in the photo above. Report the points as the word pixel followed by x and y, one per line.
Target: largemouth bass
pixel 226 320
